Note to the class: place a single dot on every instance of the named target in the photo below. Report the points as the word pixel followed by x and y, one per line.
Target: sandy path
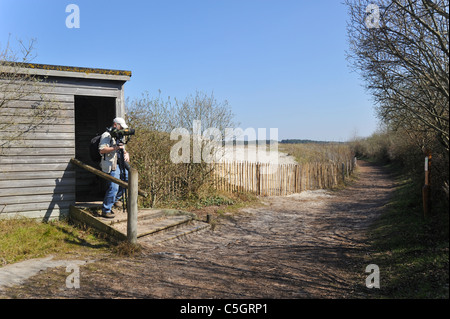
pixel 307 245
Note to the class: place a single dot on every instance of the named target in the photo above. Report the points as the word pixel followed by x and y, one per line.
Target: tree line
pixel 403 59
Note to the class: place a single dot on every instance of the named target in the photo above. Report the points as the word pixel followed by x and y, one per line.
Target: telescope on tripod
pixel 120 135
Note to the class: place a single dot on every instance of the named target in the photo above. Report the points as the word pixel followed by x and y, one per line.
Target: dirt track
pixel 308 245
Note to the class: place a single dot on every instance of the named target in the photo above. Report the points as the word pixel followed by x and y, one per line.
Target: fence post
pixel 343 172
pixel 258 179
pixel 426 189
pixel 132 206
pixel 348 166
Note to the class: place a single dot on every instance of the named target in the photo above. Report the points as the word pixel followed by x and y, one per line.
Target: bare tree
pixel 204 108
pixel 18 84
pixel 404 60
pixel 164 115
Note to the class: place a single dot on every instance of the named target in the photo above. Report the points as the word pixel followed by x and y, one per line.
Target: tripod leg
pixel 123 177
pixel 125 200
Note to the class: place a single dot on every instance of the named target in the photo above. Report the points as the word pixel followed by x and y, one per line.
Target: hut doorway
pixel 93 115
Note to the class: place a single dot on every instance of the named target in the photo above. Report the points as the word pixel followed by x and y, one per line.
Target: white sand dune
pixel 251 153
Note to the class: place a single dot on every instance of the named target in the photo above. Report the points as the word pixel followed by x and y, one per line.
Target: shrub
pixel 154 118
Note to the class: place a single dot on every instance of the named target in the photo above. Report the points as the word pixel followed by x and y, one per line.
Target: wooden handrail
pixel 104 175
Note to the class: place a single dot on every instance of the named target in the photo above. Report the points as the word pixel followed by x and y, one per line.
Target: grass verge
pixel 22 239
pixel 412 252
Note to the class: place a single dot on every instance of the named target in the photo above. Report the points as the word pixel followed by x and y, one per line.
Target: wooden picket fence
pixel 279 179
pixel 164 180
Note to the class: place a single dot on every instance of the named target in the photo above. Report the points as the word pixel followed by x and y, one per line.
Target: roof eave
pixel 65 71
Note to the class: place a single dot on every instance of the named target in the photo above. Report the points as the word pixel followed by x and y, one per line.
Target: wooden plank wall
pixel 36 178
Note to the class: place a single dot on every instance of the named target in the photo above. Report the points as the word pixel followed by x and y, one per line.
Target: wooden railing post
pixel 104 175
pixel 133 193
pixel 132 206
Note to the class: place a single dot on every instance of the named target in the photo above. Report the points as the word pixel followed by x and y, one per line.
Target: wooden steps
pixel 154 225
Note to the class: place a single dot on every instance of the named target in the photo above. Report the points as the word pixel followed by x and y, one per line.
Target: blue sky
pixel 280 64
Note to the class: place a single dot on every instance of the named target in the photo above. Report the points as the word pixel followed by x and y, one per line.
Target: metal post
pixel 132 206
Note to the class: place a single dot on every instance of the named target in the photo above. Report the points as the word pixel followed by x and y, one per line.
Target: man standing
pixel 110 164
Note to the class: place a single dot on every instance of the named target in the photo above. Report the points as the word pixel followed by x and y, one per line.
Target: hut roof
pixel 65 71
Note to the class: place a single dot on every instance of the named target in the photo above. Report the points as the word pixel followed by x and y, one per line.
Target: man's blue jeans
pixel 114 192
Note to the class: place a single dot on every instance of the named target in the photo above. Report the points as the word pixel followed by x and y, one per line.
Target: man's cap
pixel 121 121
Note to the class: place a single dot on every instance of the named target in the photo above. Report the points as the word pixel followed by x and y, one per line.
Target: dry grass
pixel 315 152
pixel 126 249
